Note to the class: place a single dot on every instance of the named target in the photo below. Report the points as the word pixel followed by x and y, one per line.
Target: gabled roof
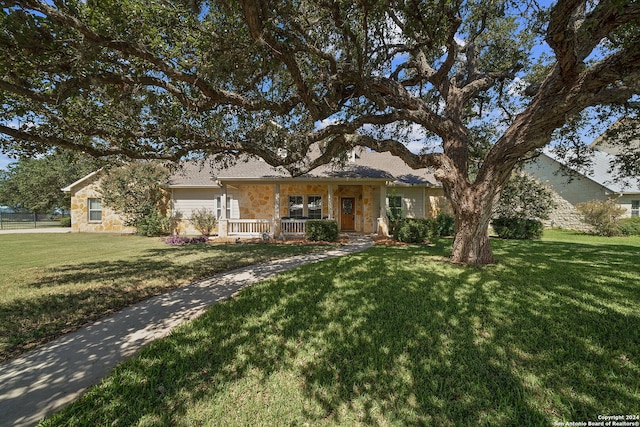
pixel 623 133
pixel 602 171
pixel 364 165
pixel 81 180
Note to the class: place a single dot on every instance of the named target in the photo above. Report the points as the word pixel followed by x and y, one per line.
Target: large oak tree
pixel 486 82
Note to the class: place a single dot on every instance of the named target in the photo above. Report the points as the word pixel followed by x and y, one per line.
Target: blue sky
pixel 4 161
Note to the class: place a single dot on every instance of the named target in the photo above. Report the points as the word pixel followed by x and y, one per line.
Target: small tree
pixel 603 216
pixel 523 203
pixel 526 198
pixel 204 220
pixel 134 191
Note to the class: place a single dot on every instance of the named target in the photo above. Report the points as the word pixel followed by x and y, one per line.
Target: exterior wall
pixel 625 202
pixel 111 222
pixel 185 200
pixel 256 201
pixel 576 189
pixel 420 202
pixel 569 192
pixel 436 202
pixel 287 190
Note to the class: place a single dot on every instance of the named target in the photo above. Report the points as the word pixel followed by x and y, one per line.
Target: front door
pixel 348 214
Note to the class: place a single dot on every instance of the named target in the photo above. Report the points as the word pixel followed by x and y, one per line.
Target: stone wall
pixel 565 216
pixel 111 222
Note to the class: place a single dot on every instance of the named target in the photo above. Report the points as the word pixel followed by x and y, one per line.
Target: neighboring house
pixel 572 187
pixel 252 198
pixel 625 130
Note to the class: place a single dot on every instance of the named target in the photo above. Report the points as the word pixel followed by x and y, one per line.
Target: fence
pixel 14 221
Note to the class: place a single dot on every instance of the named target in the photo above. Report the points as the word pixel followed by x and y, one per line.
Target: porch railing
pixel 293 226
pixel 262 227
pixel 249 227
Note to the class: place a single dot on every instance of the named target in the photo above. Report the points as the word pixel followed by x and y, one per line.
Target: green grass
pixel 397 336
pixel 54 283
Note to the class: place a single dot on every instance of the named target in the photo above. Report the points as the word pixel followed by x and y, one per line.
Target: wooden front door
pixel 348 214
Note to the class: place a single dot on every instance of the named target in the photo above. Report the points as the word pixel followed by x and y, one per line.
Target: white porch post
pixel 383 221
pixel 330 201
pixel 223 226
pixel 276 212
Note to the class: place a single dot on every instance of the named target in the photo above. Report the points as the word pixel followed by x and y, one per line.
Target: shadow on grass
pixel 390 336
pixel 64 298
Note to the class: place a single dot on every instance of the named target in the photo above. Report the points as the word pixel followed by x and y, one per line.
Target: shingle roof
pixel 601 171
pixel 365 165
pixel 622 134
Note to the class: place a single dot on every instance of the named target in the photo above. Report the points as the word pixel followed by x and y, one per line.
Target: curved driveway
pixel 44 380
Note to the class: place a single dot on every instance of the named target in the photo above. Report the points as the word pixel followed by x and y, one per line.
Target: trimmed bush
pixel 630 226
pixel 204 220
pixel 154 224
pixel 443 225
pixel 321 230
pixel 412 230
pixel 65 222
pixel 517 228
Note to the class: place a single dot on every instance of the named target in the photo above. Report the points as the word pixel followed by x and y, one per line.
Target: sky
pixel 4 161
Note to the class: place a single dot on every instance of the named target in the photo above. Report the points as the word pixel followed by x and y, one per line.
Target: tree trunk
pixel 471 244
pixel 472 209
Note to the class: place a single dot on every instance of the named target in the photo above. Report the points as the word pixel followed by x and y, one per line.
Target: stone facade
pixel 257 201
pixel 111 222
pixel 565 216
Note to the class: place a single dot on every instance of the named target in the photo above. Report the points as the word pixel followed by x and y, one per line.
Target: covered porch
pixel 282 209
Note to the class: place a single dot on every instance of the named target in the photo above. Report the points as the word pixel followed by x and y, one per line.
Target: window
pixel 395 206
pixel 95 210
pixel 219 207
pixel 296 207
pixel 314 207
pixel 635 208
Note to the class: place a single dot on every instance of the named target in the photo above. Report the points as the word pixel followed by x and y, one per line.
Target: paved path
pixel 37 230
pixel 43 381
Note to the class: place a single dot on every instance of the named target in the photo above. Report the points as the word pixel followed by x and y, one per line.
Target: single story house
pixel 251 198
pixel 571 186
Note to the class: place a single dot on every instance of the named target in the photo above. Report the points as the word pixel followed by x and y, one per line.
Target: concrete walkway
pixel 37 230
pixel 43 381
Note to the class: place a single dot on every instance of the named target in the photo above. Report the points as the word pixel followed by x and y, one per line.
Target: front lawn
pixel 397 336
pixel 54 283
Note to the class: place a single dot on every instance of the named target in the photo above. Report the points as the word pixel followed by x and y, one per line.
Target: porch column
pixel 383 221
pixel 330 201
pixel 223 226
pixel 276 212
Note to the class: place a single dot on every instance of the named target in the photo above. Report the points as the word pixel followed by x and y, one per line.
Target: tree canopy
pixel 479 85
pixel 36 184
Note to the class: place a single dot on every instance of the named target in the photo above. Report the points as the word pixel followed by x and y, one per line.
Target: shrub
pixel 629 226
pixel 524 197
pixel 321 230
pixel 65 222
pixel 603 216
pixel 411 230
pixel 153 224
pixel 199 239
pixel 517 228
pixel 443 225
pixel 204 220
pixel 177 240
